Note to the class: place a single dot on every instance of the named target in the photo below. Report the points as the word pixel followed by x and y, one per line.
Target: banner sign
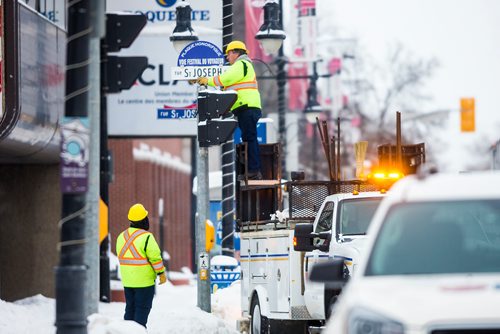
pixel 75 136
pixel 160 105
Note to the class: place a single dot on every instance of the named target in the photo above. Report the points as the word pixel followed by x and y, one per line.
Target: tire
pixel 288 327
pixel 330 299
pixel 258 323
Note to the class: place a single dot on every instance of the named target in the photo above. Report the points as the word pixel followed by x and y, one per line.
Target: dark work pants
pixel 247 121
pixel 139 303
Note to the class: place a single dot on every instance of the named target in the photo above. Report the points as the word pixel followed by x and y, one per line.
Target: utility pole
pixel 227 242
pixel 281 99
pixel 202 205
pixel 117 73
pixel 212 130
pixel 71 271
pixel 104 277
pixel 92 217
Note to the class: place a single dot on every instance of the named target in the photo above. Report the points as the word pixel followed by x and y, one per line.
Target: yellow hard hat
pixel 236 45
pixel 137 212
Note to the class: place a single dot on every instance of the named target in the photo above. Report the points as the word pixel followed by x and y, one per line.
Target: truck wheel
pixel 330 299
pixel 259 324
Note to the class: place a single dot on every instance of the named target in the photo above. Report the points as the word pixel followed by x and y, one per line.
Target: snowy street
pixel 174 311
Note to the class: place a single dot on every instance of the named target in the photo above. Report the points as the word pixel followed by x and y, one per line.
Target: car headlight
pixel 364 321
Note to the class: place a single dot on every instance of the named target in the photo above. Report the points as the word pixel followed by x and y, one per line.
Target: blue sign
pixel 201 53
pixel 261 134
pixel 169 112
pixel 178 113
pixel 215 217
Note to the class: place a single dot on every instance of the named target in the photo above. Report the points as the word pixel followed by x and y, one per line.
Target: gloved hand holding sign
pixel 203 81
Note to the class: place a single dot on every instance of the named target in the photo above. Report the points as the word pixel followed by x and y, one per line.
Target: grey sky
pixel 464 35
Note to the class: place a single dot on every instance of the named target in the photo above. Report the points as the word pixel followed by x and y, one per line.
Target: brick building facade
pixel 144 172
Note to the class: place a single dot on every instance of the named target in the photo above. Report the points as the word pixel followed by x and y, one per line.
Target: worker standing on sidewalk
pixel 247 108
pixel 140 263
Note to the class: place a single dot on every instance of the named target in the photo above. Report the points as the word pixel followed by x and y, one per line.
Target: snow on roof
pixel 157 156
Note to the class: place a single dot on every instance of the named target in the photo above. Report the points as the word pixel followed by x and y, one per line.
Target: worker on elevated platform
pixel 247 108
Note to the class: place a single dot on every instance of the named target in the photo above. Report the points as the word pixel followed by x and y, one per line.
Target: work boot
pixel 250 176
pixel 255 176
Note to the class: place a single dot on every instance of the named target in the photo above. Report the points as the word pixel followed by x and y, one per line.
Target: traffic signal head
pixel 214 104
pixel 215 132
pixel 467 114
pixel 120 73
pixel 121 30
pixel 212 129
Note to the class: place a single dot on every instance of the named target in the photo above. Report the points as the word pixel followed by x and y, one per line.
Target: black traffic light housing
pixel 213 106
pixel 119 73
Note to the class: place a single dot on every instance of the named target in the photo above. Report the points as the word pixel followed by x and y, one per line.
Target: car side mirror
pixel 331 273
pixel 303 238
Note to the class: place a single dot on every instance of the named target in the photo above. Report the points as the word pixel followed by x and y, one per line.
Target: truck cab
pixel 338 232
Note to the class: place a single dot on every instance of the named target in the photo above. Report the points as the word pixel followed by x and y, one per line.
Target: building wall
pixel 30 207
pixel 144 173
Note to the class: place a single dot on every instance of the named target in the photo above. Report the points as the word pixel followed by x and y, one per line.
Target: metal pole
pixel 315 153
pixel 92 216
pixel 227 242
pixel 71 272
pixel 161 221
pixel 399 152
pixel 194 164
pixel 203 210
pixel 281 102
pixel 104 279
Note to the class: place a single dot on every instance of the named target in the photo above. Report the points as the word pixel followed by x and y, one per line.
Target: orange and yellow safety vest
pixel 140 258
pixel 240 77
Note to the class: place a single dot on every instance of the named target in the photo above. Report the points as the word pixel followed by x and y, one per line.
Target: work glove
pixel 202 81
pixel 193 81
pixel 163 278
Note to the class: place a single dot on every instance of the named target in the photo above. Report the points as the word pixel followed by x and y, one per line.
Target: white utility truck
pixel 286 228
pixel 276 295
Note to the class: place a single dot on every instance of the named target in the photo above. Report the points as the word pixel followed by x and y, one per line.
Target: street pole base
pixel 70 300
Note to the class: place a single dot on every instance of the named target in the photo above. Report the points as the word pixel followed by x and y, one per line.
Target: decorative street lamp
pixel 313 109
pixel 183 33
pixel 271 34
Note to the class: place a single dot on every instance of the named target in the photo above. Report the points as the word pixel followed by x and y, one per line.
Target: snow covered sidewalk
pixel 174 311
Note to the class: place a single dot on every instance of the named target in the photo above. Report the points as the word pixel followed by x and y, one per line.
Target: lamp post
pixel 227 161
pixel 271 36
pixel 312 111
pixel 183 33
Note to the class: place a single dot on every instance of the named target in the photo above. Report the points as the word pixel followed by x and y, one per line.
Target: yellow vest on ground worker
pixel 240 77
pixel 140 258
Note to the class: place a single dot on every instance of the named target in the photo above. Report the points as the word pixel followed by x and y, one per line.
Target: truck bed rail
pixel 264 207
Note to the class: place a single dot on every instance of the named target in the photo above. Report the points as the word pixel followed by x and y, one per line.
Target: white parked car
pixel 432 262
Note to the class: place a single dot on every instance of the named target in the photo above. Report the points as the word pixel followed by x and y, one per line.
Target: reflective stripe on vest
pixel 137 259
pixel 244 85
pixel 217 81
pixel 158 265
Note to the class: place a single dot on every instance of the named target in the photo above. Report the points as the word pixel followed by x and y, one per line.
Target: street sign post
pixel 202 58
